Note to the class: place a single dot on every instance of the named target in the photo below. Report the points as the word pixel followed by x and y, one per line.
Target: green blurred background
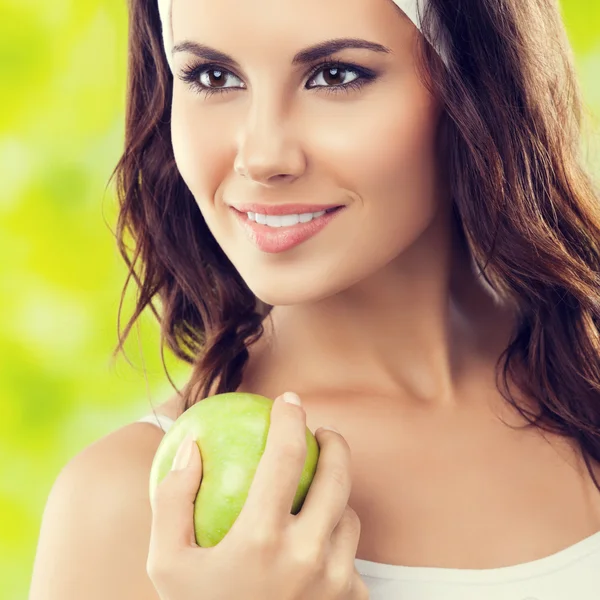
pixel 62 94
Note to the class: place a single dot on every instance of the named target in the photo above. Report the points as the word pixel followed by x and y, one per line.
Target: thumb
pixel 173 506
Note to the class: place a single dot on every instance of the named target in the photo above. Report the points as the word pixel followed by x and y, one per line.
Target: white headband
pixel 409 7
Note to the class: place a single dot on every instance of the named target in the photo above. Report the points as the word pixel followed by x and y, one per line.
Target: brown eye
pixel 333 75
pixel 208 79
pixel 215 78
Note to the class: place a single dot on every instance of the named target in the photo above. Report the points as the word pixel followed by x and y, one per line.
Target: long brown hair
pixel 528 210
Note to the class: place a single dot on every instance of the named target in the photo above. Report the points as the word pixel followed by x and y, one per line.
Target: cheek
pixel 198 147
pixel 396 147
pixel 394 170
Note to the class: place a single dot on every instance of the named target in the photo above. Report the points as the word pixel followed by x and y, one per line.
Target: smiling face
pixel 360 133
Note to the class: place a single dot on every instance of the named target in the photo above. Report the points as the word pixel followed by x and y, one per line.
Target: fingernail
pixel 292 398
pixel 184 453
pixel 330 428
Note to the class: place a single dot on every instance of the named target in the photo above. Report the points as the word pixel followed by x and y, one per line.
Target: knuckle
pixel 264 539
pixel 339 474
pixel 361 591
pixel 309 557
pixel 291 450
pixel 339 580
pixel 158 568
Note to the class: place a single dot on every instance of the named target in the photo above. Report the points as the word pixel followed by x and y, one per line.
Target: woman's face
pixel 281 133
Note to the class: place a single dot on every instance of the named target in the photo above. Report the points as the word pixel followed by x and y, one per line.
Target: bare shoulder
pixel 95 531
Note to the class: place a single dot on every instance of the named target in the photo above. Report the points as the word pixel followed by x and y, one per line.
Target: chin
pixel 297 292
pixel 276 297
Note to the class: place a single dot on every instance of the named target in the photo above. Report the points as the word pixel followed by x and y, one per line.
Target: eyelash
pixel 191 72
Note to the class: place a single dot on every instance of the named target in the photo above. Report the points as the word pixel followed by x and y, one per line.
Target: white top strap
pixel 159 420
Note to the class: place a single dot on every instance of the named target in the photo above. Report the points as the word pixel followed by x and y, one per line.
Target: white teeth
pixel 283 220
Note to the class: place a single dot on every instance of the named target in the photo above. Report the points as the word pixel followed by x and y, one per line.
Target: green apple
pixel 231 431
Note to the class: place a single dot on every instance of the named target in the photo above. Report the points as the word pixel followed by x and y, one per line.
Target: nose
pixel 268 149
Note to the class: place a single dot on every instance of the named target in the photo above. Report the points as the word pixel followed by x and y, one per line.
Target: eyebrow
pixel 308 55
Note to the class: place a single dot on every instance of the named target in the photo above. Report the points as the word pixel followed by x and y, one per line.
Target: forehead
pixel 279 24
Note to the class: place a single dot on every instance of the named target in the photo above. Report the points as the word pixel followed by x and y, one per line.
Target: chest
pixel 457 492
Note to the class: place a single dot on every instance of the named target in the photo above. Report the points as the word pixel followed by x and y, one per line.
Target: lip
pixel 283 209
pixel 279 239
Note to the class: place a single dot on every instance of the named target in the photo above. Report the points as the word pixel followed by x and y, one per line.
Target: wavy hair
pixel 525 205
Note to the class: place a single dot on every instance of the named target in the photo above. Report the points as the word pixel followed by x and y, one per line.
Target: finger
pixel 344 545
pixel 359 589
pixel 340 569
pixel 330 489
pixel 276 480
pixel 173 502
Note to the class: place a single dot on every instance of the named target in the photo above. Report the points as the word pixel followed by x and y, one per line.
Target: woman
pixel 445 319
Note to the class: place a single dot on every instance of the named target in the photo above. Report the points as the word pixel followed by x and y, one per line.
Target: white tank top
pixel 571 574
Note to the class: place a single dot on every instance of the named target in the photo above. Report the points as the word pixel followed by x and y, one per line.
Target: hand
pixel 269 553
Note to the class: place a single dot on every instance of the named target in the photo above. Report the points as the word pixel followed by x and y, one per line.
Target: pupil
pixel 218 78
pixel 336 71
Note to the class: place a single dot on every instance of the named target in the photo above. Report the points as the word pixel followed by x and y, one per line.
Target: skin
pixel 381 273
pixel 379 322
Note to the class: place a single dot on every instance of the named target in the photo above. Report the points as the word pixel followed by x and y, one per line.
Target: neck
pixel 412 329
